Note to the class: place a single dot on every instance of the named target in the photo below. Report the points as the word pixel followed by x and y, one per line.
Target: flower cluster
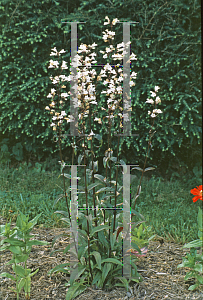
pixel 86 93
pixel 84 87
pixel 156 101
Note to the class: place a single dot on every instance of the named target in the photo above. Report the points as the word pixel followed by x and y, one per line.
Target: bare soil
pixel 161 278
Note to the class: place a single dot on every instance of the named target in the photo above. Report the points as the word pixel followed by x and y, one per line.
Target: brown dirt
pixel 162 279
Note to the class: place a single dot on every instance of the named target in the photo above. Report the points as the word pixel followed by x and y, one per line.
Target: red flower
pixel 198 192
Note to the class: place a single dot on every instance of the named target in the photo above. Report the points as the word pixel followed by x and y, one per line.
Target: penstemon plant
pixel 99 243
pixel 18 242
pixel 193 260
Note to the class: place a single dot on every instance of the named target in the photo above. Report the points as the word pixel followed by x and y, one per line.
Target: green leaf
pixel 99 228
pixel 199 218
pixel 137 168
pixel 193 244
pixel 80 157
pixel 4 274
pixel 69 176
pixel 189 275
pixel 81 270
pixel 105 189
pixel 137 214
pixel 106 269
pixel 82 233
pixel 198 268
pixel 21 284
pixel 97 277
pixel 100 177
pixel 15 249
pixel 15 242
pixel 148 169
pixel 75 290
pixel 19 270
pixel 20 258
pixel 103 240
pixel 34 272
pixel 124 281
pixel 193 287
pixel 135 246
pixel 91 186
pixel 60 268
pixel 36 242
pixel 98 258
pixel 112 260
pixel 81 251
pixel 200 278
pixel 112 239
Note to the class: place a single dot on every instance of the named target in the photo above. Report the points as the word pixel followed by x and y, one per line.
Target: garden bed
pixel 162 279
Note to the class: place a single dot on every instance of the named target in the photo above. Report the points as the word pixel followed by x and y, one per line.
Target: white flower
pixel 92 54
pixel 55 52
pixel 64 95
pixel 158 111
pixel 108 50
pixel 120 45
pixel 119 89
pixel 157 100
pixel 53 64
pixel 153 115
pixel 50 95
pixel 134 75
pixel 133 57
pixel 120 78
pixel 64 66
pixel 83 48
pixel 93 46
pixel 98 120
pixel 91 133
pixel 63 78
pixel 105 36
pixel 156 88
pixel 153 94
pixel 63 113
pixel 106 23
pixel 115 21
pixel 117 56
pixel 62 51
pixel 150 101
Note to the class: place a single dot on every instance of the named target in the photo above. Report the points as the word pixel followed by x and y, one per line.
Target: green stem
pixel 88 232
pixel 114 223
pixel 149 143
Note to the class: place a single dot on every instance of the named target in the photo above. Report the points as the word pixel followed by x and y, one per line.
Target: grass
pixel 166 204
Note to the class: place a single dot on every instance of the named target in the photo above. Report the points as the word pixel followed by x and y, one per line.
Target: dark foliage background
pixel 167 42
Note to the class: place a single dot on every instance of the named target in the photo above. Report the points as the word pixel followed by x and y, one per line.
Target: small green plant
pixel 193 260
pixel 17 240
pixel 142 235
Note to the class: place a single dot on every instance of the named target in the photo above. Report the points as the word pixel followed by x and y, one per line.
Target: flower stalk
pixel 86 98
